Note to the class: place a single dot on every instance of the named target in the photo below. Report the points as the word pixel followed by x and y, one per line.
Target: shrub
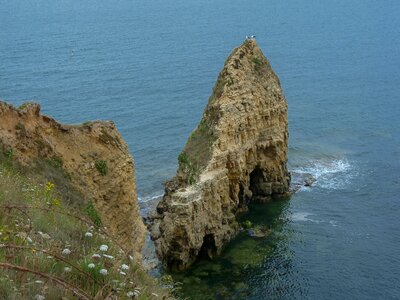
pixel 55 162
pixel 101 166
pixel 189 168
pixel 9 153
pixel 247 224
pixel 91 212
pixel 183 159
pixel 257 61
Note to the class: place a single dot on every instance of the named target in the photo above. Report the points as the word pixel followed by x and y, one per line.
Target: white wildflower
pixel 66 251
pixel 96 256
pixel 124 267
pixel 39 297
pixel 88 234
pixel 103 272
pixel 108 256
pixel 29 240
pixel 130 294
pixel 104 248
pixel 91 266
pixel 122 273
pixel 67 269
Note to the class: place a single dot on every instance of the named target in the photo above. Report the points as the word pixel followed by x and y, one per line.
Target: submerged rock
pixel 94 158
pixel 302 180
pixel 237 153
pixel 309 181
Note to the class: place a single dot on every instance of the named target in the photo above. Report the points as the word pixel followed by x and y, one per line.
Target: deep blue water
pixel 150 66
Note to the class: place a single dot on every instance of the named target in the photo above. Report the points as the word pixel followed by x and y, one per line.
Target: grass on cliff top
pixel 50 250
pixel 198 151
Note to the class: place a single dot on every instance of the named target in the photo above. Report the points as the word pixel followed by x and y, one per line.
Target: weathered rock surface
pixel 237 154
pixel 93 154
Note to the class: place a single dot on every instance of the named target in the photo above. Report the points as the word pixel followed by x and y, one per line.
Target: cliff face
pixel 237 154
pixel 94 156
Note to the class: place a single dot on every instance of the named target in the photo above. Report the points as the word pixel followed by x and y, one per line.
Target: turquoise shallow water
pixel 150 67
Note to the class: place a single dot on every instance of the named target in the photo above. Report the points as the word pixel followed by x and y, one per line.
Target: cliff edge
pixel 94 158
pixel 237 154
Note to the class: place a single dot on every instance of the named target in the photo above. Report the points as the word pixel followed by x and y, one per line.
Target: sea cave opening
pixel 260 189
pixel 208 249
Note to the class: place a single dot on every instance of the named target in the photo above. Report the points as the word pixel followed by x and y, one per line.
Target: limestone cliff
pixel 94 156
pixel 237 154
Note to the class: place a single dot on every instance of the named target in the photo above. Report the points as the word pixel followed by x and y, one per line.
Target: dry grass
pixel 47 247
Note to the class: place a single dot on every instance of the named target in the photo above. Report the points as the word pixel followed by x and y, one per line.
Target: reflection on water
pixel 248 262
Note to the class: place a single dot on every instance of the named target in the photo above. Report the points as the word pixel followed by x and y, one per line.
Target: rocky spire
pixel 237 154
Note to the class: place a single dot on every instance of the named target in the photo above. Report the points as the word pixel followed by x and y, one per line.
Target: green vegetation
pixel 51 250
pixel 55 162
pixel 42 171
pixel 183 159
pixel 9 153
pixel 198 149
pixel 247 224
pixel 102 167
pixel 26 104
pixel 190 169
pixel 257 61
pixel 91 212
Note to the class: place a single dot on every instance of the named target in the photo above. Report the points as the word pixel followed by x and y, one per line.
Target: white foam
pixel 303 217
pixel 333 223
pixel 309 217
pixel 149 198
pixel 328 174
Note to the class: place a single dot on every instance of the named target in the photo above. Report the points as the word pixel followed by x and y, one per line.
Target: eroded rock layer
pixel 94 156
pixel 237 154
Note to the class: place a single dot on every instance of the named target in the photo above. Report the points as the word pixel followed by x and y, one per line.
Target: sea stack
pixel 236 155
pixel 94 159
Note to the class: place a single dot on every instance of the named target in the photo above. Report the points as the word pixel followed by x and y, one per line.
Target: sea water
pixel 150 67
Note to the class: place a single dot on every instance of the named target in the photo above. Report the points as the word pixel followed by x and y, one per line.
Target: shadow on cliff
pixel 248 259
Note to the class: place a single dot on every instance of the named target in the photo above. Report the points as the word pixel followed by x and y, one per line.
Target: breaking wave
pixel 150 198
pixel 327 174
pixel 148 203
